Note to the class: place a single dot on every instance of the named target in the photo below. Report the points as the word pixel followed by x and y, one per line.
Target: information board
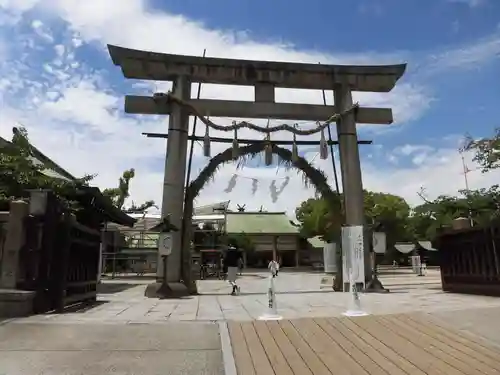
pixel 165 244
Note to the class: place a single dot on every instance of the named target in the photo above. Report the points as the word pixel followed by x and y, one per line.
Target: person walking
pixel 273 267
pixel 240 265
pixel 231 261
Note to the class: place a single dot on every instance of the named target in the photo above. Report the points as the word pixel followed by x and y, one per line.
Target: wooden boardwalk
pixel 373 345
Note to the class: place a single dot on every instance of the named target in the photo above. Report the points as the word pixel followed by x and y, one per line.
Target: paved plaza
pixel 127 333
pixel 298 295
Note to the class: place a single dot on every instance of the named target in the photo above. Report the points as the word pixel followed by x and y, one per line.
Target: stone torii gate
pixel 265 77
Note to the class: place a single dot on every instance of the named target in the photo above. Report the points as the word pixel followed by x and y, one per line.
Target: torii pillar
pixel 264 76
pixel 174 177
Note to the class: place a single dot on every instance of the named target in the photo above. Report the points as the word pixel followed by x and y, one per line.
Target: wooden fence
pixel 79 256
pixel 59 259
pixel 470 260
pixel 3 233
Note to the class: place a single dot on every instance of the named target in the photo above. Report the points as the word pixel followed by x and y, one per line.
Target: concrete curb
pixel 5 321
pixel 227 350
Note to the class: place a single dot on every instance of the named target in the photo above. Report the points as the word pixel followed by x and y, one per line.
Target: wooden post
pixel 63 251
pixel 275 248
pixel 44 292
pixel 495 253
pixel 14 241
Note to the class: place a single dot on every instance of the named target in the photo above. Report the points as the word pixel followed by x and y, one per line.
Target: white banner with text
pixel 353 259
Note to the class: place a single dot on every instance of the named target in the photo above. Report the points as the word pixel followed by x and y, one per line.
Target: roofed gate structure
pixel 264 76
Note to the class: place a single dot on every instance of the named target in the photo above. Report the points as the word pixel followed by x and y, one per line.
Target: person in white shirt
pixel 273 267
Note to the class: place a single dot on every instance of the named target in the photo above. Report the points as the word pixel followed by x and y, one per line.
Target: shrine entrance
pixel 265 77
pixel 312 176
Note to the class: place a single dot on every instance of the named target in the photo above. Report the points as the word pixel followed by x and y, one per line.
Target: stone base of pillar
pixel 169 290
pixel 375 286
pixel 16 303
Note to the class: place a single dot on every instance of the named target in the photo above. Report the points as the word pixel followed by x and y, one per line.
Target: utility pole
pixel 465 172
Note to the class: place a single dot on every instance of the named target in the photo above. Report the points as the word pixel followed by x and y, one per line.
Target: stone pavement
pixel 126 333
pixel 299 295
pixel 94 348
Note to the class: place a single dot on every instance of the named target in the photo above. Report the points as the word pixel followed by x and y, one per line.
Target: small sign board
pixel 379 242
pixel 165 244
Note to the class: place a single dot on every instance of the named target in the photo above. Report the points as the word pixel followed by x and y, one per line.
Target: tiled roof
pixel 211 209
pixel 259 222
pixel 316 242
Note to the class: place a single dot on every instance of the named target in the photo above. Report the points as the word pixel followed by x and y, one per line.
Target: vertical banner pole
pixel 272 307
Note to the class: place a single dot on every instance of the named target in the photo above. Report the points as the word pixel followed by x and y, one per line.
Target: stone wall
pixel 13 302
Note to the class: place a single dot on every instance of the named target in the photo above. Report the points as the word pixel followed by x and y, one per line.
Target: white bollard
pixel 354 303
pixel 272 307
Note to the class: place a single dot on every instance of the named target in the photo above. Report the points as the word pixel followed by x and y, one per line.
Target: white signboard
pixel 330 257
pixel 415 263
pixel 165 244
pixel 353 257
pixel 379 242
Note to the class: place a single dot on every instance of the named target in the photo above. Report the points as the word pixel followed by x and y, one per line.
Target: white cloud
pixel 472 56
pixel 75 115
pixel 470 3
pixel 412 149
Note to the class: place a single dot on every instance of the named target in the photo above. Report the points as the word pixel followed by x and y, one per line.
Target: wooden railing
pixel 3 233
pixel 57 256
pixel 82 263
pixel 470 260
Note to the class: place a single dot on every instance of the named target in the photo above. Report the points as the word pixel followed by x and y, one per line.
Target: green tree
pixel 481 206
pixel 486 150
pixel 385 212
pixel 20 172
pixel 141 208
pixel 318 218
pixel 120 194
pixel 388 213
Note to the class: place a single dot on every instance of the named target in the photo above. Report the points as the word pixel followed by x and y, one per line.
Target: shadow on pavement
pixel 129 276
pixel 81 308
pixel 115 287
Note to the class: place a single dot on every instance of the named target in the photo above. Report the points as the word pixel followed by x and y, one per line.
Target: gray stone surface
pixel 478 321
pixel 299 295
pixel 173 348
pixel 16 303
pixel 127 333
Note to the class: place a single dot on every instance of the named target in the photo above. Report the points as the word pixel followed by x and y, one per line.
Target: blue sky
pixel 57 80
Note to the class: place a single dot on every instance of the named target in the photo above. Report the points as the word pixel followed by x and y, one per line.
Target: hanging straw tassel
pixel 323 147
pixel 268 152
pixel 236 147
pixel 295 149
pixel 206 144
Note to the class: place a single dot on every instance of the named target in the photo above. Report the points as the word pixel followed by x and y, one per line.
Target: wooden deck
pixel 372 345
